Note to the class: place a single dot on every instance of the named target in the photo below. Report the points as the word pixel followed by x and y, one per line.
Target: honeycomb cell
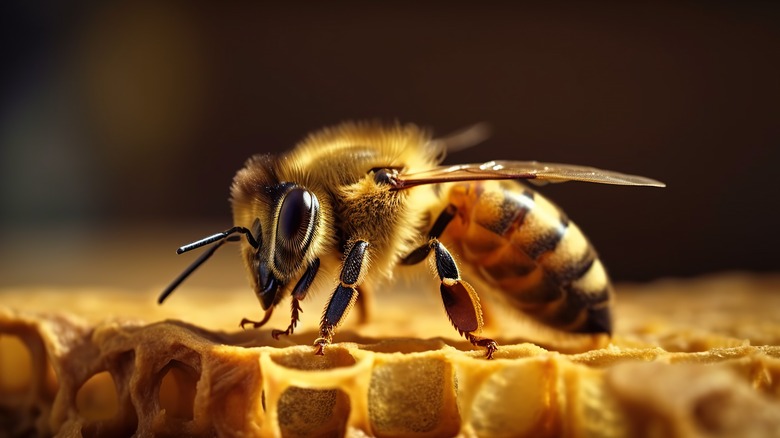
pixel 177 390
pixel 412 397
pixel 16 366
pixel 313 412
pixel 303 411
pixel 97 398
pixel 518 399
pixel 303 359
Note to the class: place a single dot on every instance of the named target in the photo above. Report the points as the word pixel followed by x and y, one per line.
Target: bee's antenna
pixel 220 239
pixel 219 236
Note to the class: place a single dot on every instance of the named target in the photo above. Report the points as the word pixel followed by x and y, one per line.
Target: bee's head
pixel 284 219
pixel 281 225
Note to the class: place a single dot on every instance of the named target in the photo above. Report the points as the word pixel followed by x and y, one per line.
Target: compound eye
pixel 296 215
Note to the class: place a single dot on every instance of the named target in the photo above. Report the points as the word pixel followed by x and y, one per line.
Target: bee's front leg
pixel 299 293
pixel 460 300
pixel 344 296
pixel 258 324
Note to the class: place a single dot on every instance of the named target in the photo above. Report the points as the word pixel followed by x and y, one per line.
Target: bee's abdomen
pixel 524 246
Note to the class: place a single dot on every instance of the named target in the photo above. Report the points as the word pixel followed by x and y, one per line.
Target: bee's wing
pixel 463 138
pixel 534 171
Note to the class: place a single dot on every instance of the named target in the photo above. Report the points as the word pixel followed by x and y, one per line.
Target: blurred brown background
pixel 121 126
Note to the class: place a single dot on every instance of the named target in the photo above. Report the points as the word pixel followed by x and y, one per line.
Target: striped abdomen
pixel 525 247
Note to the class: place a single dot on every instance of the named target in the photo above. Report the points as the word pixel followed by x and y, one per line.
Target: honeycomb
pixel 689 358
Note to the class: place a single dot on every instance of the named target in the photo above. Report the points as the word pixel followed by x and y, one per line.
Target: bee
pixel 362 199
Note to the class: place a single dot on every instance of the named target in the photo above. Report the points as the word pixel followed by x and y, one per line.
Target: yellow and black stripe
pixel 527 249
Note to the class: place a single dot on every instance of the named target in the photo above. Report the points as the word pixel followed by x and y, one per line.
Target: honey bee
pixel 361 199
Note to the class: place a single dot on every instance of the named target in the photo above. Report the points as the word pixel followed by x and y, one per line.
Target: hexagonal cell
pixel 28 383
pixel 312 412
pixel 516 400
pixel 177 390
pixel 304 359
pixel 97 401
pixel 16 366
pixel 413 397
pixel 406 345
pixel 17 410
pixel 97 398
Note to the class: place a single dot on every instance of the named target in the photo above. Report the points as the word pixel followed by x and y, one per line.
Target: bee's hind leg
pixel 461 302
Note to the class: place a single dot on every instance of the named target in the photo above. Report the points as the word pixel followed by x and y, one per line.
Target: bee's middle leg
pixel 344 296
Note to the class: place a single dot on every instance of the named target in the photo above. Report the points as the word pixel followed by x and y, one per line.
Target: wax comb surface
pixel 714 372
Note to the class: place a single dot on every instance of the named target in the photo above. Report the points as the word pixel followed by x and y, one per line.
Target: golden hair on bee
pixel 361 199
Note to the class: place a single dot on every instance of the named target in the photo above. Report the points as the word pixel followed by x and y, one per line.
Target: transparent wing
pixel 463 138
pixel 534 171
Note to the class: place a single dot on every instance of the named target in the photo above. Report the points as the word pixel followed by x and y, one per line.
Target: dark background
pixel 136 116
